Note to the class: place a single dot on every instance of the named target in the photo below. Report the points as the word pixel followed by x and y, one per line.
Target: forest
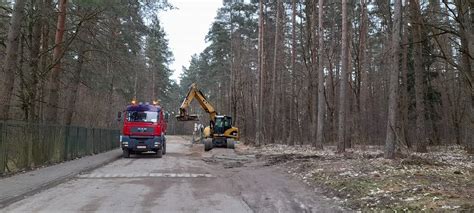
pixel 79 62
pixel 346 73
pixel 392 73
pixel 364 105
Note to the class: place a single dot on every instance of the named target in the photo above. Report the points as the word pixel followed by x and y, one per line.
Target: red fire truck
pixel 144 128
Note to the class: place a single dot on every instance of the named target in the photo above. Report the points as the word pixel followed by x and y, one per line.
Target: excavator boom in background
pixel 195 93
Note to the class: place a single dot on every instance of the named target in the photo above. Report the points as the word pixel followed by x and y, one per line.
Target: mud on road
pixel 186 179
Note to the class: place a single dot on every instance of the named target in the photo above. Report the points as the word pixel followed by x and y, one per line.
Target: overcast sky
pixel 186 28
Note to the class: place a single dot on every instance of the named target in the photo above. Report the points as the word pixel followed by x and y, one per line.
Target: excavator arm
pixel 195 93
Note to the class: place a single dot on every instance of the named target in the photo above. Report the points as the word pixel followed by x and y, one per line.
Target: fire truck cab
pixel 144 128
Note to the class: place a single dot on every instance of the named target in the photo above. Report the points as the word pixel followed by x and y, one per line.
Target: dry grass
pixel 442 180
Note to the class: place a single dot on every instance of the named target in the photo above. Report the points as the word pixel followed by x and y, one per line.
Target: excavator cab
pixel 222 124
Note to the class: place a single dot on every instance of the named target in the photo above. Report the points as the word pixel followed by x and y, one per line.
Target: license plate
pixel 141 147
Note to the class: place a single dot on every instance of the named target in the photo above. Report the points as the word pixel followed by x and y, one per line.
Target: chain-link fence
pixel 27 145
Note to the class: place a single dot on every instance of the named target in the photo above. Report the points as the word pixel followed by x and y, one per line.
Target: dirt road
pixel 184 180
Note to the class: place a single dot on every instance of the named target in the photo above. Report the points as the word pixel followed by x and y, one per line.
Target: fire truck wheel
pixel 159 153
pixel 164 148
pixel 125 153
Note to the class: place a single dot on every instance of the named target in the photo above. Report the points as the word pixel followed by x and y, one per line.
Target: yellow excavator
pixel 220 132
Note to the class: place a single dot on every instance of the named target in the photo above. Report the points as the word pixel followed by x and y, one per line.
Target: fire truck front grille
pixel 142 129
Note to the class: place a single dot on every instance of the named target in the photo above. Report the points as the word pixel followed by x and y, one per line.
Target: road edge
pixel 62 179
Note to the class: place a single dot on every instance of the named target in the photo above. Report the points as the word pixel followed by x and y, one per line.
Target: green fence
pixel 27 145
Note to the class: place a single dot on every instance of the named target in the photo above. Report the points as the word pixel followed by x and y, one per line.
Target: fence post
pixel 115 139
pixel 3 159
pixel 76 143
pixel 101 139
pixel 66 142
pixel 40 139
pixel 54 143
pixel 107 143
pixel 21 136
pixel 49 141
pixel 89 139
pixel 111 139
pixel 105 140
pixel 96 139
pixel 118 132
pixel 81 141
pixel 29 135
pixel 37 148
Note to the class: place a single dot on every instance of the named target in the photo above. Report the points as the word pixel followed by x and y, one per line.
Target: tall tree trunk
pixel 44 59
pixel 444 84
pixel 364 76
pixel 9 66
pixel 274 74
pixel 311 68
pixel 349 91
pixel 55 84
pixel 391 137
pixel 293 66
pixel 467 68
pixel 259 131
pixel 343 83
pixel 233 74
pixel 321 98
pixel 35 44
pixel 404 90
pixel 331 96
pixel 470 103
pixel 419 85
pixel 282 80
pixel 310 64
pixel 75 86
pixel 76 80
pixel 23 84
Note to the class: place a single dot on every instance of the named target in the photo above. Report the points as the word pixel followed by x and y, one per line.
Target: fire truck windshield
pixel 144 116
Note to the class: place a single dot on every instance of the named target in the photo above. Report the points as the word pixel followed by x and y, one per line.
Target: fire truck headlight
pixel 125 143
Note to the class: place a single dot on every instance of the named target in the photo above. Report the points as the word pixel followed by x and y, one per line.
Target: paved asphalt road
pixel 185 180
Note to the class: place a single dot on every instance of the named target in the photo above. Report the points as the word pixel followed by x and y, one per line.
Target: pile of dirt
pixel 442 180
pixel 275 159
pixel 228 158
pixel 196 150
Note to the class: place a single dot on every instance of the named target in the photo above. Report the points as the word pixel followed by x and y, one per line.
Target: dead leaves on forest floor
pixel 441 180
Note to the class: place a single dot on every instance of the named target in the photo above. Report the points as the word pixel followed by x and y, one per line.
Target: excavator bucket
pixel 187 117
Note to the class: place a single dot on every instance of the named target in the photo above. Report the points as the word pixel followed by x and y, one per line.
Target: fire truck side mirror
pixel 167 116
pixel 119 116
